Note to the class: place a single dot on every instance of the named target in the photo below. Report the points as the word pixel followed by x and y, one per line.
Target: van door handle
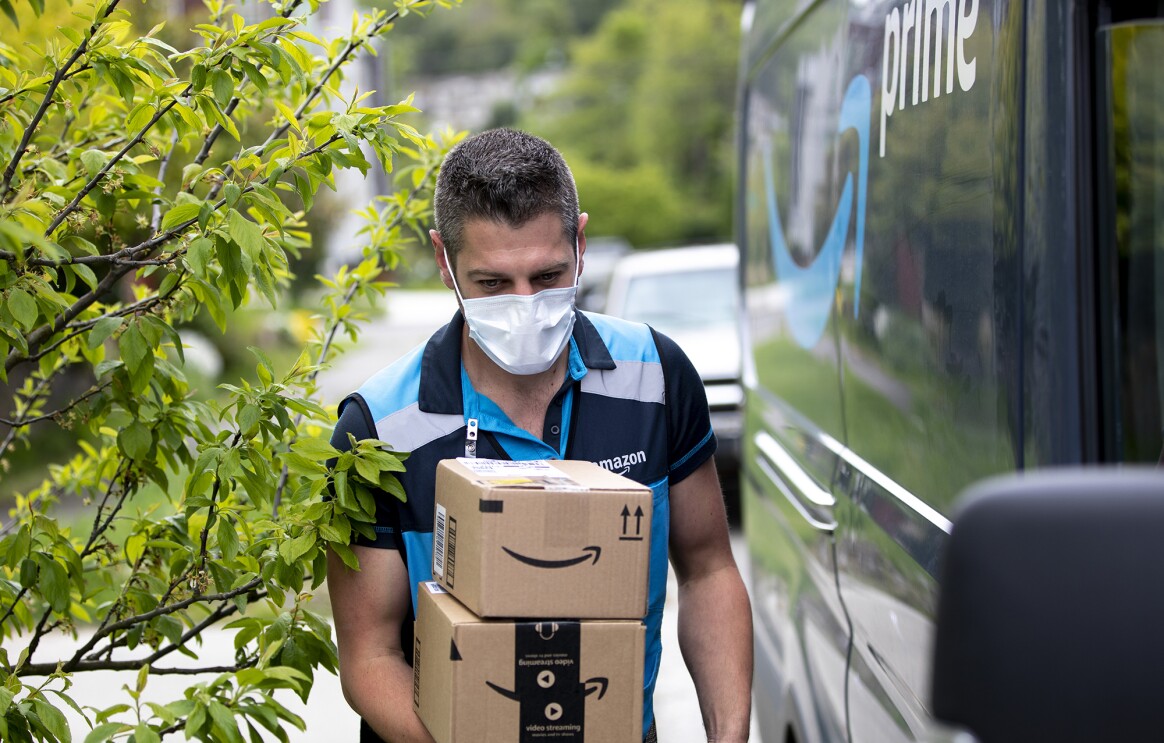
pixel 812 501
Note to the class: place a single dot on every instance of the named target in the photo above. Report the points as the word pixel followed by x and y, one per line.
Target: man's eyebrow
pixel 485 273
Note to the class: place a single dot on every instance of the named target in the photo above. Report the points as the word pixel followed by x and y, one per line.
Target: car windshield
pixel 683 299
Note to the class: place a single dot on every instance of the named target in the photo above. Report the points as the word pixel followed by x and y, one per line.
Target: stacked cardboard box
pixel 532 630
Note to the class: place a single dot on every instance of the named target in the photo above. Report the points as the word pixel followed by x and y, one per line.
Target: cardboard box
pixel 542 540
pixel 496 681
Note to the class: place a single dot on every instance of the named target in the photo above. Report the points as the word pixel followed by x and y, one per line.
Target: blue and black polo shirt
pixel 631 402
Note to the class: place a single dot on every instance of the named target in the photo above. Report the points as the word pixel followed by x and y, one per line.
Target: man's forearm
pixel 715 636
pixel 380 691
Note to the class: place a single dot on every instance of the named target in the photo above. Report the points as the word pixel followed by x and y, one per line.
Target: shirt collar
pixel 440 374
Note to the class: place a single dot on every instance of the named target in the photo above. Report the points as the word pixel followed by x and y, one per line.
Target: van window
pixel 1132 235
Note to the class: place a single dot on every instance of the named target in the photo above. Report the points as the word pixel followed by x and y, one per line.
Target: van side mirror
pixel 1050 622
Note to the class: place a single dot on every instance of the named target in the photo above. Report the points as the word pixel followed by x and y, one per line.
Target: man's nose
pixel 523 287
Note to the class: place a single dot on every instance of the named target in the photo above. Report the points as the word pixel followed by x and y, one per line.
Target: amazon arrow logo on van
pixel 538 563
pixel 811 288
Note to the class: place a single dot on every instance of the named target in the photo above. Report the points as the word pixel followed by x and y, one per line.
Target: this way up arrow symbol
pixel 638 520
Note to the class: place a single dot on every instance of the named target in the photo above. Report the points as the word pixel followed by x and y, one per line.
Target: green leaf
pixel 197 720
pixel 6 6
pixel 197 78
pixel 94 161
pixel 343 491
pixel 346 554
pixel 29 572
pixel 138 357
pixel 135 440
pixel 105 732
pixel 143 733
pixel 223 85
pixel 104 328
pixel 289 114
pixel 224 722
pixel 139 117
pixel 135 547
pixel 368 470
pixel 54 583
pixel 23 307
pixel 86 274
pixel 17 548
pixel 293 549
pixel 247 234
pixel 180 214
pixel 232 193
pixel 198 255
pixel 52 718
pixel 6 697
pixel 227 539
pixel 255 75
pixel 124 84
pixel 168 627
pixel 316 449
pixel 248 419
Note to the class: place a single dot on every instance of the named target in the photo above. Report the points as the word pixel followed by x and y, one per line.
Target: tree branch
pixel 339 61
pixel 98 527
pixel 156 219
pixel 58 77
pixel 46 669
pixel 48 416
pixel 178 606
pixel 12 609
pixel 106 630
pixel 29 401
pixel 100 175
pixel 12 95
pixel 325 349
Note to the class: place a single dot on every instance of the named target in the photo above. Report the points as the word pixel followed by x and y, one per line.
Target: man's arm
pixel 369 607
pixel 715 616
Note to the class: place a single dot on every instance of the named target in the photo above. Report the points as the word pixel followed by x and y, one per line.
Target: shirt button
pixel 554 430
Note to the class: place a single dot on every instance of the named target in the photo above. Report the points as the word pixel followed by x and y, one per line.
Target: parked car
pixel 691 295
pixel 602 253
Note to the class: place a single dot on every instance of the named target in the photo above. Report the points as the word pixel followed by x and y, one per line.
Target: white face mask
pixel 523 334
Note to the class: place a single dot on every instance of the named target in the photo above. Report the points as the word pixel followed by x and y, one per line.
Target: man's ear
pixel 438 252
pixel 583 218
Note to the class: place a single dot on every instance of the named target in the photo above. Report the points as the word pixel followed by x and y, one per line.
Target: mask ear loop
pixel 577 262
pixel 453 275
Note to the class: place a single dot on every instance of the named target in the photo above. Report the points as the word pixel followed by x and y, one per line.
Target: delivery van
pixel 952 264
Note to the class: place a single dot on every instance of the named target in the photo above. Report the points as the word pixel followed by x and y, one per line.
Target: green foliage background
pixel 152 179
pixel 643 112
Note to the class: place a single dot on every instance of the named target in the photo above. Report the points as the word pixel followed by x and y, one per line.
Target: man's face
pixel 497 259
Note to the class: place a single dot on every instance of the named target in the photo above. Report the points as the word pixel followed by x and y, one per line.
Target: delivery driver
pixel 534 378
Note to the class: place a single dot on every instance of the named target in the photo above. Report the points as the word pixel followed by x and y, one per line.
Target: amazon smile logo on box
pixel 562 539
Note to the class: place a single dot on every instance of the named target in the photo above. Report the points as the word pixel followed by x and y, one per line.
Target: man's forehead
pixel 490 241
pixel 546 227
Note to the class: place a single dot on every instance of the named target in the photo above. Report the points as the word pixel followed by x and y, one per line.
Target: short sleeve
pixel 356 419
pixel 691 441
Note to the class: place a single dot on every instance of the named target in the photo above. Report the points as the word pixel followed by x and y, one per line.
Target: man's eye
pixel 490 283
pixel 549 278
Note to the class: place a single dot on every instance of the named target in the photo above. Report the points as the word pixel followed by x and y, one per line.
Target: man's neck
pixel 523 397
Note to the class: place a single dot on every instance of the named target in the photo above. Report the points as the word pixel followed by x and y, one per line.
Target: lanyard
pixel 471 438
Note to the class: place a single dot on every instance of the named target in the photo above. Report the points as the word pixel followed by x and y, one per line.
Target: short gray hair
pixel 505 176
